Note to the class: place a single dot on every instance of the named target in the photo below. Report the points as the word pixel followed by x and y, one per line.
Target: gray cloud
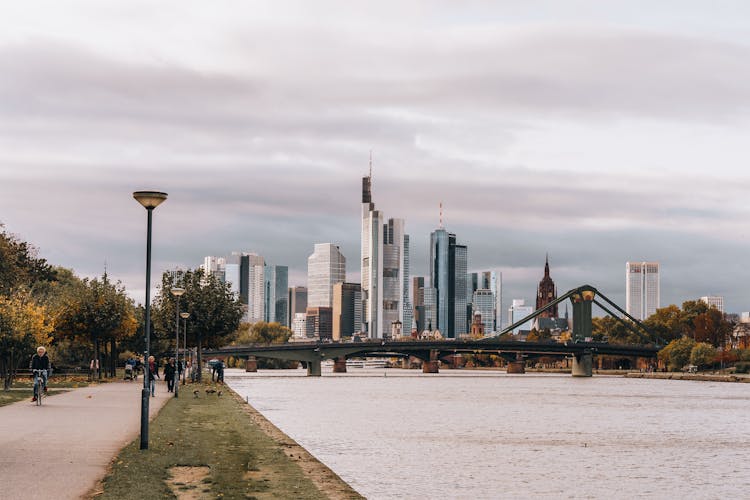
pixel 268 156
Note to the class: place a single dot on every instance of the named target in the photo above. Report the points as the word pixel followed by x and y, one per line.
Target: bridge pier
pixel 313 368
pixel 431 365
pixel 518 366
pixel 582 365
pixel 339 365
pixel 251 364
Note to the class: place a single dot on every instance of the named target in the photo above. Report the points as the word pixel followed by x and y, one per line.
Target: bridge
pixel 579 348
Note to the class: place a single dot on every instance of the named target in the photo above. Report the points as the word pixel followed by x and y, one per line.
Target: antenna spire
pixel 371 164
pixel 441 215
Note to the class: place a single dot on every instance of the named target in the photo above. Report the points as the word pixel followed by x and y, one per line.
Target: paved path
pixel 61 449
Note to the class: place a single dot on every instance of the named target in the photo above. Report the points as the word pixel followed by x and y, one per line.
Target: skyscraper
pixel 487 281
pixel 483 302
pixel 297 301
pixel 347 310
pixel 518 311
pixel 385 269
pixel 325 267
pixel 714 301
pixel 546 292
pixel 448 262
pixel 275 294
pixel 641 289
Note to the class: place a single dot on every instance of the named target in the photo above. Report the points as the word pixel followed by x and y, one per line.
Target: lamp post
pixel 177 292
pixel 184 316
pixel 150 200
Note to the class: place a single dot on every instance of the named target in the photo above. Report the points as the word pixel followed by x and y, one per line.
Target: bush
pixel 743 367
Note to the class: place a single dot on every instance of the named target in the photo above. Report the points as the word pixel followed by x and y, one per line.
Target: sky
pixel 595 132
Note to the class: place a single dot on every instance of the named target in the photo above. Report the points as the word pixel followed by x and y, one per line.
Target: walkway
pixel 61 449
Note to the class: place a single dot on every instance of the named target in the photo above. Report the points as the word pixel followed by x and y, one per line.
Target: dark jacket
pixel 39 362
pixel 153 374
pixel 169 372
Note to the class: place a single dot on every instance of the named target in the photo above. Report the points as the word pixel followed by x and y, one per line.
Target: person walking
pixel 169 374
pixel 153 374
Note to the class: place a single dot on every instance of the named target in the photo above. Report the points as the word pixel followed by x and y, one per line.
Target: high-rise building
pixel 484 280
pixel 519 310
pixel 714 301
pixel 275 295
pixel 319 322
pixel 546 292
pixel 214 266
pixel 448 263
pixel 385 269
pixel 483 303
pixel 325 267
pixel 299 325
pixel 641 289
pixel 253 286
pixel 347 310
pixel 297 301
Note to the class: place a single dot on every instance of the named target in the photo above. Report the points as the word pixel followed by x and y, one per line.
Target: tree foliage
pixel 24 325
pixel 702 354
pixel 96 312
pixel 20 267
pixel 215 312
pixel 677 353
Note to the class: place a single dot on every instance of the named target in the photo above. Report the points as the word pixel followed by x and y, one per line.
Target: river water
pixel 473 434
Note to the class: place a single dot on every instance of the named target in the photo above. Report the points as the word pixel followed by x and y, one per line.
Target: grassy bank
pixel 211 447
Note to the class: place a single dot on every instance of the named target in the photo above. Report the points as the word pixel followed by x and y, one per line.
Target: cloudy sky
pixel 597 132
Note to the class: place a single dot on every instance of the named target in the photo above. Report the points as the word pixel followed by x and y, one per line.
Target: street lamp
pixel 177 292
pixel 184 316
pixel 150 200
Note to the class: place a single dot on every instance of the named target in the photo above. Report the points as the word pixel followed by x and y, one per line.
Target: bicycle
pixel 39 394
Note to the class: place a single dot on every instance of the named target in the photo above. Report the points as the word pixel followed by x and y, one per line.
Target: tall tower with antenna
pixel 384 268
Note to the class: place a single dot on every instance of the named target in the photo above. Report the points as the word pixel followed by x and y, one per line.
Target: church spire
pixel 546 266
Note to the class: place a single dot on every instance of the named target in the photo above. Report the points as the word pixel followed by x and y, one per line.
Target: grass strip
pixel 206 447
pixel 13 396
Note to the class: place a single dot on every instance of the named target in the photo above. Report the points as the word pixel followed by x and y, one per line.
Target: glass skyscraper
pixel 448 264
pixel 385 270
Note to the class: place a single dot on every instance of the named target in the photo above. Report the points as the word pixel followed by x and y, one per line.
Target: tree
pixel 96 313
pixel 215 312
pixel 265 333
pixel 24 325
pixel 676 354
pixel 702 354
pixel 666 323
pixel 19 265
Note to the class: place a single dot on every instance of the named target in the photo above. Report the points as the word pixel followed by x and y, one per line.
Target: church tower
pixel 546 292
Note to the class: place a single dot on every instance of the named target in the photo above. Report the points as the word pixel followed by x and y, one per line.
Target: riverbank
pixel 690 376
pixel 216 445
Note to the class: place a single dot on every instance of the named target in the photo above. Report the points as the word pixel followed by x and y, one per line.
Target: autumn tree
pixel 24 325
pixel 97 313
pixel 215 312
pixel 676 354
pixel 20 267
pixel 702 354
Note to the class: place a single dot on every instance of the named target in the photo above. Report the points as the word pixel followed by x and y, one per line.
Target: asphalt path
pixel 61 449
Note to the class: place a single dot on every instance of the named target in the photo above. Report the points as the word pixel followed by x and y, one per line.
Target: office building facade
pixel 297 301
pixel 347 310
pixel 384 269
pixel 276 308
pixel 642 293
pixel 325 267
pixel 448 263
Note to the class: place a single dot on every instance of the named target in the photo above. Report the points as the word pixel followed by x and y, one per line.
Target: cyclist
pixel 40 361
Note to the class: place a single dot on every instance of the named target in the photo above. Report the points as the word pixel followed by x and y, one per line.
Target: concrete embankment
pixel 691 376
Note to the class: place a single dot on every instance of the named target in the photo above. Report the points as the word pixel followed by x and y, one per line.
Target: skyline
pixel 597 135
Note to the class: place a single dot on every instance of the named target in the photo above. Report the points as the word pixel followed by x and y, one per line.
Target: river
pixel 478 434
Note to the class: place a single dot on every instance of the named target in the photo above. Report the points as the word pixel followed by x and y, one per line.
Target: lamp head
pixel 184 315
pixel 150 199
pixel 177 291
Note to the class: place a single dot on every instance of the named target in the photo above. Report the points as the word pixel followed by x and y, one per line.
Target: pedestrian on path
pixel 169 373
pixel 153 374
